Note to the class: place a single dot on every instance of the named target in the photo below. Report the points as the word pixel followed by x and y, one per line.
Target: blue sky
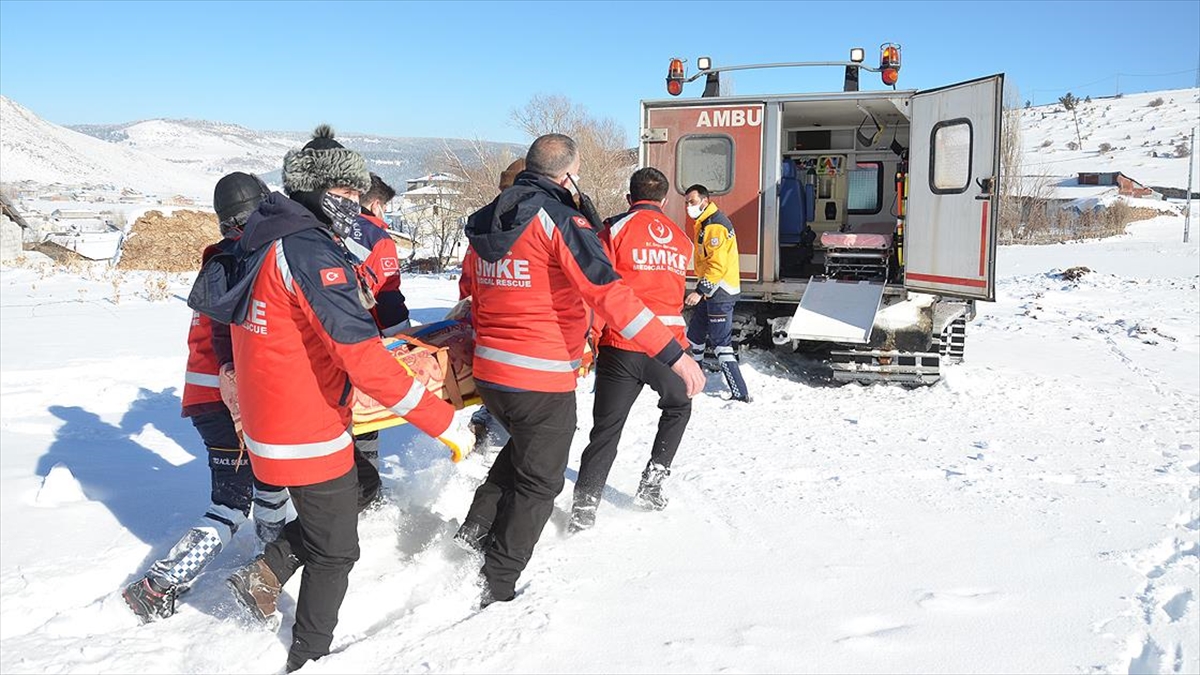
pixel 458 69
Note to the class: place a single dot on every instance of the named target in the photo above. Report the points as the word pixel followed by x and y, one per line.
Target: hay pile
pixel 172 243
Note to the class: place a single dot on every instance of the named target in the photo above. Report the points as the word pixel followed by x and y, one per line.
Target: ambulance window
pixel 706 160
pixel 950 157
pixel 865 194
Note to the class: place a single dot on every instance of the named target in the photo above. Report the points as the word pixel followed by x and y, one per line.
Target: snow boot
pixel 256 588
pixel 150 601
pixel 649 493
pixel 472 537
pixel 733 375
pixel 488 598
pixel 583 514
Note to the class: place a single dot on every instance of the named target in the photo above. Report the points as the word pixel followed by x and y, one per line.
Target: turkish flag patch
pixel 332 276
pixel 582 222
pixel 389 264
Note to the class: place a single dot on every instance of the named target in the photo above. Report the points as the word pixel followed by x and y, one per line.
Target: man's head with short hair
pixel 377 197
pixel 695 198
pixel 553 156
pixel 648 185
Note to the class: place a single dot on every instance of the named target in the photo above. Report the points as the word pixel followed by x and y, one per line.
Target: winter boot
pixel 583 514
pixel 733 375
pixel 149 601
pixel 649 493
pixel 256 588
pixel 487 597
pixel 472 537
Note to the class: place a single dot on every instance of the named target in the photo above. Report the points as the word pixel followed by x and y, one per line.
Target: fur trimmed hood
pixel 323 163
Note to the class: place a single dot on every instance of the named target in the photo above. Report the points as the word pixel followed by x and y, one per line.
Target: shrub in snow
pixel 1072 145
pixel 1156 102
pixel 1047 143
pixel 1105 147
pixel 1182 150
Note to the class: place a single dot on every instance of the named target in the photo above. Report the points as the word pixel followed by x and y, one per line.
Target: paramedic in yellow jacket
pixel 716 260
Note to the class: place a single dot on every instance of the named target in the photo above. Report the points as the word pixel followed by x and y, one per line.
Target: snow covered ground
pixel 1036 511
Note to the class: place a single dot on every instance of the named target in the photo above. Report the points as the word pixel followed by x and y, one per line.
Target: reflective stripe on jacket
pixel 538 266
pixel 305 338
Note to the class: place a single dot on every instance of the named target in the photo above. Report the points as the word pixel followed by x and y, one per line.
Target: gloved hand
pixel 460 438
pixel 227 383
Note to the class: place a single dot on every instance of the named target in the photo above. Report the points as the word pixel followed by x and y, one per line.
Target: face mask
pixel 342 212
pixel 694 210
pixel 572 184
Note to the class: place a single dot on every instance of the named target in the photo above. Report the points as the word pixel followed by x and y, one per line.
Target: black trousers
pixel 366 463
pixel 517 498
pixel 620 376
pixel 323 539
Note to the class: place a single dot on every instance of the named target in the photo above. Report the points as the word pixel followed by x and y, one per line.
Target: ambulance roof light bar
pixel 888 67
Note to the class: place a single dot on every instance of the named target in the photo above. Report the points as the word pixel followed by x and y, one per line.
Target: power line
pixel 1118 77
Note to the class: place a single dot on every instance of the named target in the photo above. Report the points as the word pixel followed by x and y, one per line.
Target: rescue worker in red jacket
pixel 306 340
pixel 651 254
pixel 537 257
pixel 233 486
pixel 368 241
pixel 482 422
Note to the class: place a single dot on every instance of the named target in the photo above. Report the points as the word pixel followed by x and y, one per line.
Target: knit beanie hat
pixel 321 164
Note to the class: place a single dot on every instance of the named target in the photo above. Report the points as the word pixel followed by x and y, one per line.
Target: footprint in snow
pixel 870 632
pixel 959 600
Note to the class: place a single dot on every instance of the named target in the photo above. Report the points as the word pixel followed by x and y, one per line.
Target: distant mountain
pixel 1136 134
pixel 167 157
pixel 218 148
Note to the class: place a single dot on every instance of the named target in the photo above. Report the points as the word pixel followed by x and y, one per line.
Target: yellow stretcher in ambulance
pixel 865 220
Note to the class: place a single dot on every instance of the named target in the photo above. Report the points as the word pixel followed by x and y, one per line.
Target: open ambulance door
pixel 720 147
pixel 949 243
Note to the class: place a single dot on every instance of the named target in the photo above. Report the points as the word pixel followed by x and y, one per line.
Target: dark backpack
pixel 222 288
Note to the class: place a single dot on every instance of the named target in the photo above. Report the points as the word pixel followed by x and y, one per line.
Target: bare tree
pixel 1012 159
pixel 606 161
pixel 440 228
pixel 1071 102
pixel 480 166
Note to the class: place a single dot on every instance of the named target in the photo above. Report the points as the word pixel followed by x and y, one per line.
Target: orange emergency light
pixel 675 77
pixel 889 62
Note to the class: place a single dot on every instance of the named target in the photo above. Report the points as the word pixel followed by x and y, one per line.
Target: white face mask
pixel 572 183
pixel 694 210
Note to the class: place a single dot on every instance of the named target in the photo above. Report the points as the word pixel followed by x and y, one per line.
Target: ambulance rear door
pixel 949 245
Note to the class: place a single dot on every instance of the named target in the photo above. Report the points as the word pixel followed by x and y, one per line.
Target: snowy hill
pixel 211 147
pixel 1134 129
pixel 35 150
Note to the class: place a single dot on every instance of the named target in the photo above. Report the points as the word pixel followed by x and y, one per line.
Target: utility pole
pixel 1187 218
